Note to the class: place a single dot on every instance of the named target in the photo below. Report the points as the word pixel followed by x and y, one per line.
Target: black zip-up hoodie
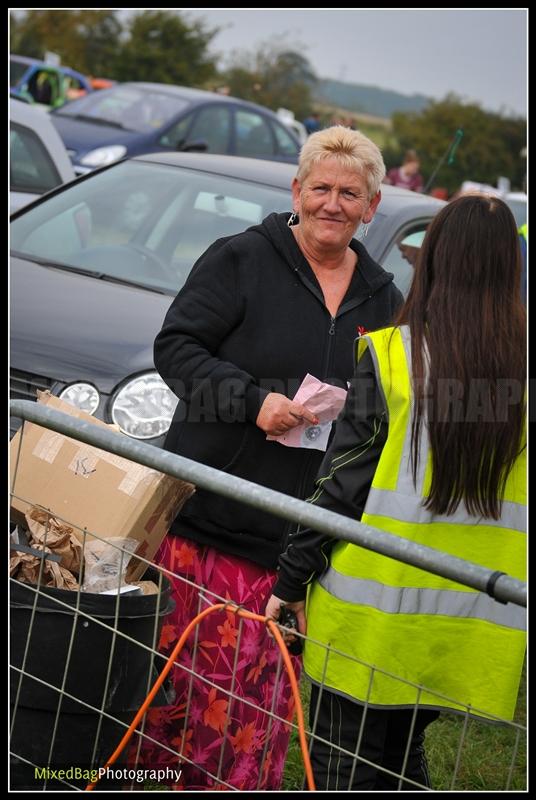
pixel 250 320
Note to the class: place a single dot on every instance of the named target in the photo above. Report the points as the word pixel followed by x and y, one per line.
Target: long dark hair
pixel 468 337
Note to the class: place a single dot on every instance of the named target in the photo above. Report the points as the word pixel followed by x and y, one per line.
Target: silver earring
pixel 293 219
pixel 363 230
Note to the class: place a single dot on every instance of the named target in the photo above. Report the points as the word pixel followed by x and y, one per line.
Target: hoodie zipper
pixel 349 305
pixel 343 309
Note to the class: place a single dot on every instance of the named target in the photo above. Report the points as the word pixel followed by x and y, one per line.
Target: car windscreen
pixel 132 108
pixel 141 222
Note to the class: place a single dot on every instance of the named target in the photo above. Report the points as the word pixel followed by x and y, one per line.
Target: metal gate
pixel 48 689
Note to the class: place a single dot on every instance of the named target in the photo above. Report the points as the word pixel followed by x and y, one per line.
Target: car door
pixel 209 124
pixel 288 149
pixel 38 161
pixel 253 136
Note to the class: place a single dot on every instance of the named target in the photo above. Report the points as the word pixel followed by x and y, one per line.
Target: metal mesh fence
pixel 81 665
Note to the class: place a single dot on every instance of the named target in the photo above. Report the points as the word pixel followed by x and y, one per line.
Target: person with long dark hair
pixel 431 446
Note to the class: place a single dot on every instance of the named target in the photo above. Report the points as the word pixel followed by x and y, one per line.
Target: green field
pixel 378 129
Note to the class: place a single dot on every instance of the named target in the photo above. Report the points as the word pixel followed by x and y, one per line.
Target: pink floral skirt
pixel 226 741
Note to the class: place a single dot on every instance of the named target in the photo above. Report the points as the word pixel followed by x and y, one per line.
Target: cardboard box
pixel 91 488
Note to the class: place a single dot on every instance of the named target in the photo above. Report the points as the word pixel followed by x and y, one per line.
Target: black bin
pixel 35 712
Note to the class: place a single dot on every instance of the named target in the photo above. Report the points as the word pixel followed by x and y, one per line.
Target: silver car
pixel 38 158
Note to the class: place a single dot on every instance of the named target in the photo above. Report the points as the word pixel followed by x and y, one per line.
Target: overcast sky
pixel 480 54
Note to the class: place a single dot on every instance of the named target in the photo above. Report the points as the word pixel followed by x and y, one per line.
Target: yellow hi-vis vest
pixel 420 639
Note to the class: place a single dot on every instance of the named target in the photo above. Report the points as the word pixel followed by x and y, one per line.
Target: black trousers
pixel 383 742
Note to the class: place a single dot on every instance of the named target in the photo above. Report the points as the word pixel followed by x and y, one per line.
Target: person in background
pixel 431 446
pixel 407 176
pixel 259 311
pixel 312 123
pixel 45 87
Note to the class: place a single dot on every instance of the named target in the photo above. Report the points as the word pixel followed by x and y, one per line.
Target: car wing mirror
pixel 195 146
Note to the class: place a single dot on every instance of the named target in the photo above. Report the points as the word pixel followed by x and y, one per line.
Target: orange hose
pixel 169 663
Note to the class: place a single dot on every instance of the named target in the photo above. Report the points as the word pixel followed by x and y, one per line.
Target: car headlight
pixel 103 155
pixel 81 395
pixel 144 407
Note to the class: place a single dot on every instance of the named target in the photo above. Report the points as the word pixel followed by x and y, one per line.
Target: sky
pixel 479 54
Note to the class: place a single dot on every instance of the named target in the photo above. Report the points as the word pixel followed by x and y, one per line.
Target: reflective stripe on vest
pixel 410 600
pixel 460 646
pixel 410 509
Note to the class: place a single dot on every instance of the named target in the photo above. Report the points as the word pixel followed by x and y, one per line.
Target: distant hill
pixel 367 99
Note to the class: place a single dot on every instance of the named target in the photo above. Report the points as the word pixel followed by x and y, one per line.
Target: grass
pixel 378 129
pixel 486 752
pixel 485 757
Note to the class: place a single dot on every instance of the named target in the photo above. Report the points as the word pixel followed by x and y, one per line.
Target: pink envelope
pixel 322 399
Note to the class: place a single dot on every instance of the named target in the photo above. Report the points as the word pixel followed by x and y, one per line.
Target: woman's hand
pixel 278 415
pixel 273 610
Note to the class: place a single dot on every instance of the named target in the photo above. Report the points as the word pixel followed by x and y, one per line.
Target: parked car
pixel 518 206
pixel 96 263
pixel 134 118
pixel 287 118
pixel 38 160
pixel 45 84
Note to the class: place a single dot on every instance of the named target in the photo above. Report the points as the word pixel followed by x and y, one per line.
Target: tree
pixel 86 40
pixel 274 76
pixel 491 144
pixel 100 32
pixel 162 48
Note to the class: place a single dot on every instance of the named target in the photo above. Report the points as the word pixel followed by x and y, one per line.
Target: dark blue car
pixel 136 118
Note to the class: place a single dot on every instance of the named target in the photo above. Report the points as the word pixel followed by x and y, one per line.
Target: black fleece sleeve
pixel 345 477
pixel 203 313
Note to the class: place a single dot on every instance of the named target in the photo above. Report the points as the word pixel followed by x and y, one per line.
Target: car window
pixel 176 135
pixel 133 108
pixel 212 125
pixel 285 143
pixel 253 135
pixel 228 206
pixel 142 222
pixel 31 169
pixel 74 88
pixel 16 71
pixel 214 215
pixel 401 256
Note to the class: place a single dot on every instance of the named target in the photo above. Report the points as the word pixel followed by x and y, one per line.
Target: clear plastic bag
pixel 106 562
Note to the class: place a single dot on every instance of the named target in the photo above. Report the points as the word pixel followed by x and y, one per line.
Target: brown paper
pixel 60 540
pixel 59 537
